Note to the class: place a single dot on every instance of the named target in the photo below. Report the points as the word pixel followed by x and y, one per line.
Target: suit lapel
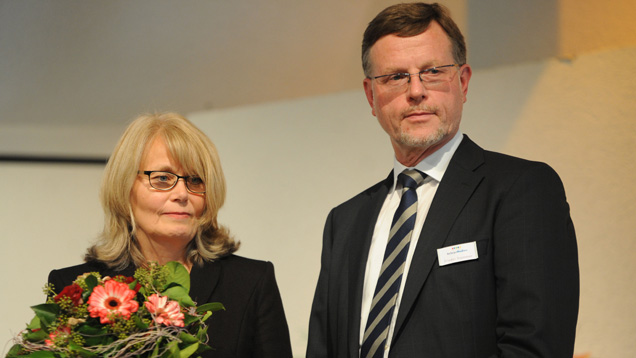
pixel 365 222
pixel 203 280
pixel 456 187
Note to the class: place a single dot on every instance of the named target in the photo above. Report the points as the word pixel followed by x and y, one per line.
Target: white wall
pixel 288 163
pixel 48 215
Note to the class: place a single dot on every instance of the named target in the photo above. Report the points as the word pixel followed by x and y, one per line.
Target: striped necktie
pixel 388 286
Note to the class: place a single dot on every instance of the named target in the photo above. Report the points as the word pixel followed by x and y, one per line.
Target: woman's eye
pixel 160 178
pixel 196 180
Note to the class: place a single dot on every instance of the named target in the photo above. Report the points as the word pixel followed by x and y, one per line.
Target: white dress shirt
pixel 434 166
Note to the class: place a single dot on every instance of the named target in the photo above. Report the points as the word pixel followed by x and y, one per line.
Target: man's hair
pixel 196 154
pixel 406 20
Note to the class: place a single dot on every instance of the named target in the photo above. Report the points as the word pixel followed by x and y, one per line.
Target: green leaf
pixel 95 335
pixel 179 294
pixel 202 334
pixel 144 292
pixel 34 324
pixel 139 323
pixel 189 350
pixel 91 281
pixel 188 319
pixel 206 316
pixel 92 330
pixel 178 274
pixel 47 313
pixel 188 338
pixel 212 306
pixel 173 349
pixel 14 351
pixel 74 347
pixel 155 351
pixel 37 336
pixel 41 354
pixel 203 348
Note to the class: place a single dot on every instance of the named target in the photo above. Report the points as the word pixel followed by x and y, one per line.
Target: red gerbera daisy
pixel 110 300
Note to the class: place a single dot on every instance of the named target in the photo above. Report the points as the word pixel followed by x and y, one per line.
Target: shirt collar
pixel 433 165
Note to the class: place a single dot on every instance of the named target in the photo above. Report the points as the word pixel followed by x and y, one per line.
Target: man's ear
pixel 368 91
pixel 464 77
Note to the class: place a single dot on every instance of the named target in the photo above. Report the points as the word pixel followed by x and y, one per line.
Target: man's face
pixel 417 118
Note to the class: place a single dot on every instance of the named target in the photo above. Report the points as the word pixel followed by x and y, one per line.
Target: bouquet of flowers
pixel 148 315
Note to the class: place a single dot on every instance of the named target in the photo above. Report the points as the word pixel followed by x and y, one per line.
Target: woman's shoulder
pixel 65 276
pixel 76 270
pixel 243 268
pixel 244 265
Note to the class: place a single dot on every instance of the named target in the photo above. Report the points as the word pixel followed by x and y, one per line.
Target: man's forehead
pixel 426 48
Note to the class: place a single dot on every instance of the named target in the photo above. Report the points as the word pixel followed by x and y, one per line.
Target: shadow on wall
pixel 508 32
pixel 496 99
pixel 499 36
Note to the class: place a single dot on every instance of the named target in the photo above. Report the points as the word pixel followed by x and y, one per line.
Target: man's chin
pixel 421 141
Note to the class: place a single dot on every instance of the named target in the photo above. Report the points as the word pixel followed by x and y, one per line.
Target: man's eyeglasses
pixel 165 181
pixel 431 77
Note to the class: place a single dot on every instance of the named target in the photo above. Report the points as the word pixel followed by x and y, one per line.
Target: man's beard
pixel 422 142
pixel 413 141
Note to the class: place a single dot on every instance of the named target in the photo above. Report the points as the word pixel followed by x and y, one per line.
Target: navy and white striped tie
pixel 388 286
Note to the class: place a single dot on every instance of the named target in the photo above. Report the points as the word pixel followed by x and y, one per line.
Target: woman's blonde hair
pixel 196 154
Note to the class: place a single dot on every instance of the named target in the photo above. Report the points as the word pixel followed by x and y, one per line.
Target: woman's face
pixel 166 217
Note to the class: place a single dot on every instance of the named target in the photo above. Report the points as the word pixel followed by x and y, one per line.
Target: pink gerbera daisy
pixel 112 299
pixel 164 311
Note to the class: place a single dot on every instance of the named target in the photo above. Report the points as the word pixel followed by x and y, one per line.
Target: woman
pixel 162 189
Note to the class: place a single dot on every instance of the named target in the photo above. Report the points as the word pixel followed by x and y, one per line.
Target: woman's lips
pixel 178 215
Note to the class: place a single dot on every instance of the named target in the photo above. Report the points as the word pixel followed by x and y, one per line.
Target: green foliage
pixel 178 274
pixel 47 313
pixel 212 307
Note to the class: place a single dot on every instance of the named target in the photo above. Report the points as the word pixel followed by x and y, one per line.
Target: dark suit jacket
pixel 518 299
pixel 253 323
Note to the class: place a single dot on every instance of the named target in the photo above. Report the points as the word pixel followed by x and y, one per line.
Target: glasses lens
pixel 195 184
pixel 162 180
pixel 395 80
pixel 437 74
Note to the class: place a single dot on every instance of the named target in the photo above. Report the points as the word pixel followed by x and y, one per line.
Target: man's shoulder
pixel 370 193
pixel 503 164
pixel 502 170
pixel 495 161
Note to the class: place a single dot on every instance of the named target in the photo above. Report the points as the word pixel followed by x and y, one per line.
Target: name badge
pixel 457 253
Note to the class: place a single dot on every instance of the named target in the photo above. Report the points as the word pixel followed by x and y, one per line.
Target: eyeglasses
pixel 166 181
pixel 431 78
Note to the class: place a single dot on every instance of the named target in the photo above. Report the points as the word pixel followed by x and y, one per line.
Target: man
pixel 480 259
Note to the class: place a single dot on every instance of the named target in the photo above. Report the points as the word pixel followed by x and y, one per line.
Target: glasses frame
pixel 419 74
pixel 185 180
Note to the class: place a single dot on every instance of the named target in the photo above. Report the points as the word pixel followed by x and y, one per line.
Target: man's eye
pixel 398 76
pixel 432 71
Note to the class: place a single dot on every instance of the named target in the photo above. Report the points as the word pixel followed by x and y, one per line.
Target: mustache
pixel 416 109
